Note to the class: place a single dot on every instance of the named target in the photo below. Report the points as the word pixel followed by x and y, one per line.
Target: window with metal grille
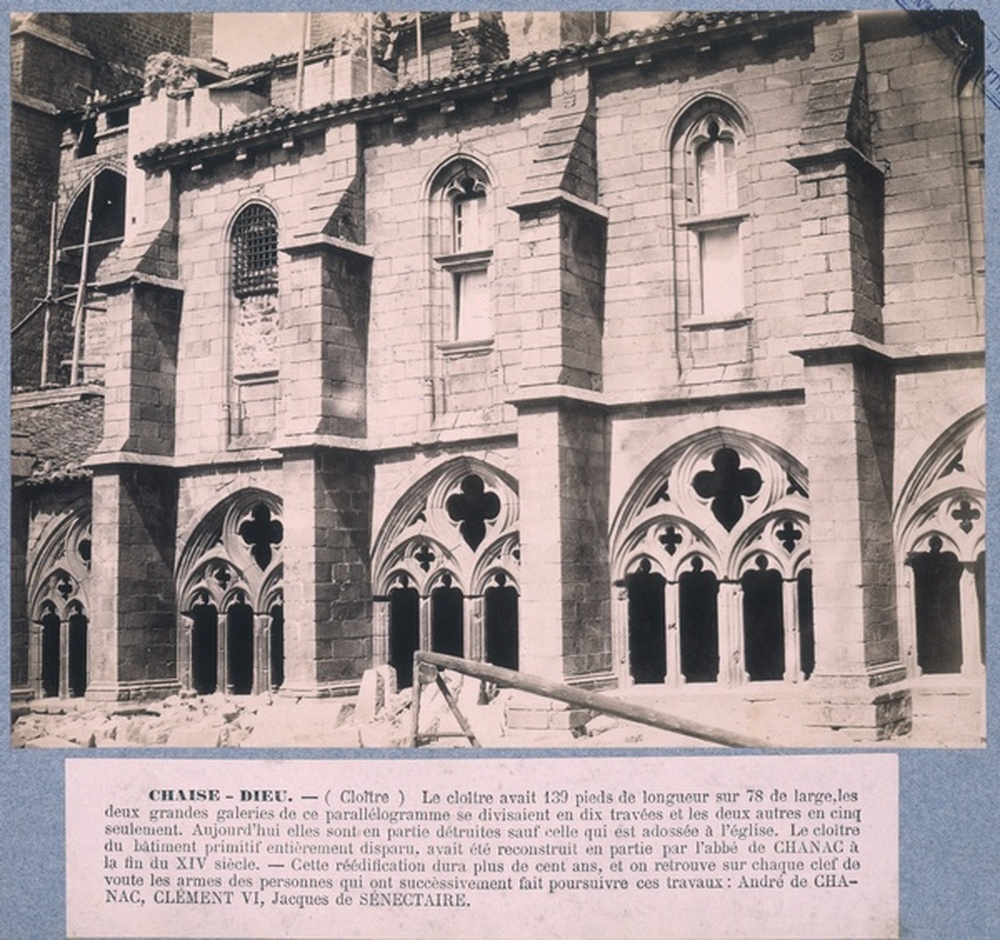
pixel 255 252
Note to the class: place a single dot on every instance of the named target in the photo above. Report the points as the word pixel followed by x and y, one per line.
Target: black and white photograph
pixel 499 474
pixel 498 379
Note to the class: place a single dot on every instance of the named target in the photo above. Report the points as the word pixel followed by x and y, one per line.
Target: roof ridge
pixel 685 24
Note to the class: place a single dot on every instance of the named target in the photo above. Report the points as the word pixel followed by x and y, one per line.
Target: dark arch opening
pixel 50 653
pixel 77 653
pixel 936 576
pixel 647 641
pixel 807 637
pixel 239 647
pixel 447 619
pixel 404 632
pixel 277 646
pixel 205 649
pixel 698 602
pixel 500 604
pixel 763 623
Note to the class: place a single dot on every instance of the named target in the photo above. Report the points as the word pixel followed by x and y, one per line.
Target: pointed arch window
pixel 445 567
pixel 93 229
pixel 708 159
pixel 231 624
pixel 725 521
pixel 464 243
pixel 941 534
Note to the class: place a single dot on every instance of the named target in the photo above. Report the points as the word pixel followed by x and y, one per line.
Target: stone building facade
pixel 628 351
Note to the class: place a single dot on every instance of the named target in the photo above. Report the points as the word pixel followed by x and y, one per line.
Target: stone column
pixel 185 625
pixel 564 522
pixel 380 630
pixel 972 654
pixel 475 627
pixel 262 653
pixel 850 408
pixel 327 480
pixel 133 627
pixel 671 618
pixel 35 659
pixel 730 601
pixel 564 458
pixel 619 633
pixel 327 577
pixel 849 421
pixel 790 607
pixel 563 433
pixel 132 636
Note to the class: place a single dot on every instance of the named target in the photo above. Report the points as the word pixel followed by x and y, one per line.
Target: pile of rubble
pixel 378 716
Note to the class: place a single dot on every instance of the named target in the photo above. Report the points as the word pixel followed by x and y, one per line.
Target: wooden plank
pixel 456 711
pixel 418 682
pixel 593 701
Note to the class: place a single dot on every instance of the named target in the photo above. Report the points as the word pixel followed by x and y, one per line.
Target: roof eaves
pixel 56 476
pixel 416 93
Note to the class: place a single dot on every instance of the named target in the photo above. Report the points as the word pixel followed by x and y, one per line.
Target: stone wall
pixel 856 165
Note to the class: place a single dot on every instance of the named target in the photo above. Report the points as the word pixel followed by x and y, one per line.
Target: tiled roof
pixel 58 436
pixel 684 26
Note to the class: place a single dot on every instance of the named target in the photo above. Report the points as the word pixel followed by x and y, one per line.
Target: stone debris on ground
pixel 379 716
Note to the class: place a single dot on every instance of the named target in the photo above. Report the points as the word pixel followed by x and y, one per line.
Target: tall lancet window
pixel 465 238
pixel 708 163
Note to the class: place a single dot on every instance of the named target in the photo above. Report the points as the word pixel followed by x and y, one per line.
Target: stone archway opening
pixel 500 613
pixel 239 647
pixel 646 624
pixel 277 649
pixel 76 653
pixel 51 628
pixel 447 618
pixel 763 623
pixel 205 649
pixel 936 577
pixel 404 631
pixel 698 602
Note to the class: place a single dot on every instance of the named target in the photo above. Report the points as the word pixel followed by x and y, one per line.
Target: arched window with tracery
pixel 255 325
pixel 231 634
pixel 940 523
pixel 709 206
pixel 462 237
pixel 445 568
pixel 711 560
pixel 58 586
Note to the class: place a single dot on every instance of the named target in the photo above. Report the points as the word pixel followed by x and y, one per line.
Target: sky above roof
pixel 245 38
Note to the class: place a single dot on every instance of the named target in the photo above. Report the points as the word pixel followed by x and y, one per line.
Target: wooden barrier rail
pixel 426 671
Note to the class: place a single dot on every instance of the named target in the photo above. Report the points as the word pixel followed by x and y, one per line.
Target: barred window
pixel 255 252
